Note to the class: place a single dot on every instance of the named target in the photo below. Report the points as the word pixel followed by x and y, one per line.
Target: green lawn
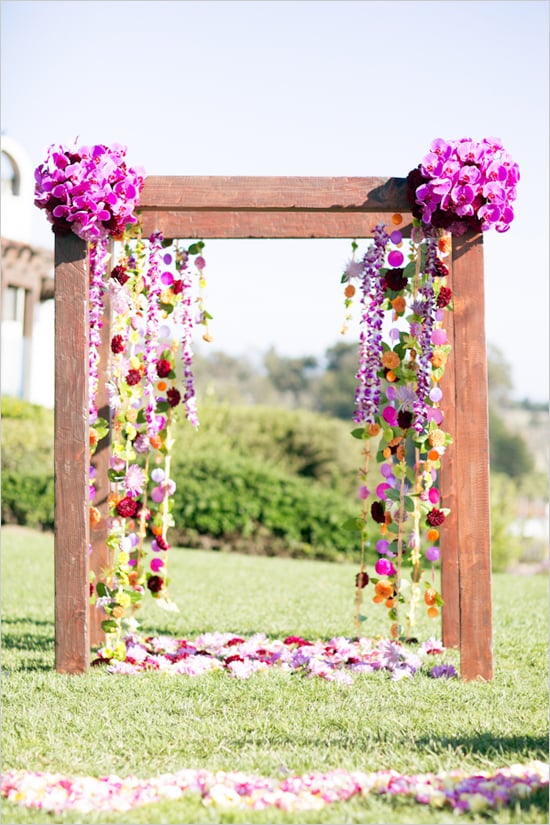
pixel 98 724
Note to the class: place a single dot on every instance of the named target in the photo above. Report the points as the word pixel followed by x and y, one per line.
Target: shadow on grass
pixel 27 641
pixel 17 639
pixel 507 748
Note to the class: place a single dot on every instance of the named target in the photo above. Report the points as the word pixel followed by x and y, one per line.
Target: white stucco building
pixel 27 365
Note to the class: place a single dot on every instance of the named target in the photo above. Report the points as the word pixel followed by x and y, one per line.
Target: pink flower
pixel 384 567
pixel 134 480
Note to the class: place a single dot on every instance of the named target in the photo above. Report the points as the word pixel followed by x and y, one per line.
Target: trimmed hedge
pixel 230 502
pixel 252 479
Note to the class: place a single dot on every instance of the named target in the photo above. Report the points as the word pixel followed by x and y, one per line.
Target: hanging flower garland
pixel 92 192
pixel 152 296
pixel 459 186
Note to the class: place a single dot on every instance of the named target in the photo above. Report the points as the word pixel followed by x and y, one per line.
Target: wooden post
pixel 471 459
pixel 71 441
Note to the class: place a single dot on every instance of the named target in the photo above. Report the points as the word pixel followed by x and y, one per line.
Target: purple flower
pixel 443 672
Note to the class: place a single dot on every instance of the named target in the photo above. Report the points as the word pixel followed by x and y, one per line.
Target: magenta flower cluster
pixel 465 184
pixel 88 190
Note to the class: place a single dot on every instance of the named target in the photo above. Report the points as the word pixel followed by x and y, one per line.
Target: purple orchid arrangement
pixel 464 184
pixel 88 190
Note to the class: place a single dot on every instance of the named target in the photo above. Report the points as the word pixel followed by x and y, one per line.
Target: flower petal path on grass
pixel 336 660
pixel 456 790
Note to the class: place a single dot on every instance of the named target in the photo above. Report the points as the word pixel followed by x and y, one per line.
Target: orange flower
pixel 430 596
pixel 399 304
pixel 432 534
pixel 93 438
pixel 439 359
pixel 373 429
pixel 433 612
pixel 391 359
pixel 161 386
pixel 95 516
pixel 433 455
pixel 156 442
pixel 113 500
pixel 444 244
pixel 118 611
pixel 390 376
pixel 349 291
pixel 396 219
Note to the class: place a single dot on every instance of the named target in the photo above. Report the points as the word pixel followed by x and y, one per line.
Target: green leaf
pixel 353 525
pixel 393 494
pixel 109 626
pixel 101 589
pixel 358 432
pixel 196 248
pixel 362 618
pixel 393 527
pixel 101 427
pixel 409 504
pixel 410 269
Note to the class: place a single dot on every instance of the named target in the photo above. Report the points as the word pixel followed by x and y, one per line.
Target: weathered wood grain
pixel 266 224
pixel 369 194
pixel 472 502
pixel 71 439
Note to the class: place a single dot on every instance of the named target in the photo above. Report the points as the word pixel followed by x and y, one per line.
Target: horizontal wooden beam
pixel 179 193
pixel 281 224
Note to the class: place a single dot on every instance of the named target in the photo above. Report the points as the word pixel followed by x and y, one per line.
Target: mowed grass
pixel 273 723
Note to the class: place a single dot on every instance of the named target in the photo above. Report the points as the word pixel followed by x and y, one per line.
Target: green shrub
pixel 506 548
pixel 299 442
pixel 28 498
pixel 227 501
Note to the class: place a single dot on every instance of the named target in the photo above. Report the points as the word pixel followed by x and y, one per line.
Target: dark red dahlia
pixel 164 368
pixel 120 274
pixel 127 507
pixel 441 269
pixel 162 543
pixel 361 580
pixel 133 377
pixel 117 344
pixel 177 287
pixel 445 297
pixel 405 419
pixel 174 397
pixel 435 517
pixel 155 584
pixel 378 512
pixel 395 279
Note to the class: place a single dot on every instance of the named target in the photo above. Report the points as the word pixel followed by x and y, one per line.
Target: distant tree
pixel 336 386
pixel 509 453
pixel 499 373
pixel 292 377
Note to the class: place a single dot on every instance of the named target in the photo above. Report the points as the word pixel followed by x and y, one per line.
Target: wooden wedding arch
pixel 277 207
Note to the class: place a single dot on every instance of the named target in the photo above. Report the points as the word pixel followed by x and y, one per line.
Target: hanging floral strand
pixel 459 186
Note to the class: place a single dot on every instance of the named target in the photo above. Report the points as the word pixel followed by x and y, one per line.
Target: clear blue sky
pixel 299 87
